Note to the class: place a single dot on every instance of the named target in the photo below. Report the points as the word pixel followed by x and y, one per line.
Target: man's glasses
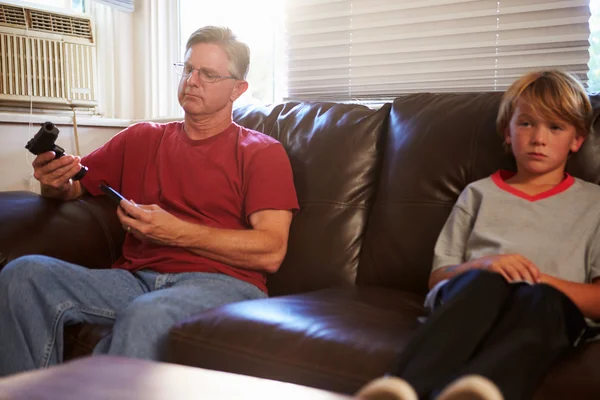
pixel 205 76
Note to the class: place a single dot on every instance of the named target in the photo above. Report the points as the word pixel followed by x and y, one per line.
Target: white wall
pixel 15 160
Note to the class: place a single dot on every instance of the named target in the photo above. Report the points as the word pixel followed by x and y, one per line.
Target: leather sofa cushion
pixel 85 231
pixel 333 339
pixel 436 145
pixel 574 377
pixel 80 339
pixel 335 154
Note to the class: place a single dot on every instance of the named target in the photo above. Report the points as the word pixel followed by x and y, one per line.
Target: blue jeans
pixel 39 295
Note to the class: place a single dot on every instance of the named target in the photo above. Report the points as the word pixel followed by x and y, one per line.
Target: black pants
pixel 509 333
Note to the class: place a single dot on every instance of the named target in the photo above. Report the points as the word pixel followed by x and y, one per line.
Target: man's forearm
pixel 585 295
pixel 75 190
pixel 250 249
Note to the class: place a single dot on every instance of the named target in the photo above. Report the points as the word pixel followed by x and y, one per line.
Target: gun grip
pixel 81 173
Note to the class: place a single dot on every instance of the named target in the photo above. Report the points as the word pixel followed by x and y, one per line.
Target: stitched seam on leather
pixel 417 203
pixel 193 340
pixel 334 203
pixel 84 205
pixel 273 131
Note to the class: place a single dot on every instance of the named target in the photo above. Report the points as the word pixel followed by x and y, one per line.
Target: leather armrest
pixel 85 231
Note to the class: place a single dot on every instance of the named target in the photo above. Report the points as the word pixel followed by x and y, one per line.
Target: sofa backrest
pixel 335 152
pixel 435 145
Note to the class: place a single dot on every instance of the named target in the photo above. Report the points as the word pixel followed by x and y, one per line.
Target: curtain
pixel 135 55
pixel 114 48
pixel 157 47
pixel 378 49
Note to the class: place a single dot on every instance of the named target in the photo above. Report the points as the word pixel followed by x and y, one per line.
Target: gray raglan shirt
pixel 558 230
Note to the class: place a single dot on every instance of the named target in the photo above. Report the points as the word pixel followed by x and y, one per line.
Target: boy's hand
pixel 513 267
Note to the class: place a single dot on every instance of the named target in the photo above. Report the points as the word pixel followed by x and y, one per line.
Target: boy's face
pixel 540 145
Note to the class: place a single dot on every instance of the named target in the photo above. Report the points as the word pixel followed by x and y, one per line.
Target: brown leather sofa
pixel 375 187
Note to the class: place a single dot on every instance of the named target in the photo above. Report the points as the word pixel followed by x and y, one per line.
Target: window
pixel 65 5
pixel 375 50
pixel 594 64
pixel 258 24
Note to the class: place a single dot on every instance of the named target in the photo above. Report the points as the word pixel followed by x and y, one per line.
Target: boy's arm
pixel 585 295
pixel 451 248
pixel 451 244
pixel 450 272
pixel 513 267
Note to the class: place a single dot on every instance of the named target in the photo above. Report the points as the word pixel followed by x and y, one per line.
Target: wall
pixel 15 161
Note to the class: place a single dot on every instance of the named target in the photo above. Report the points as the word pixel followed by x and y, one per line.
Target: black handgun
pixel 43 141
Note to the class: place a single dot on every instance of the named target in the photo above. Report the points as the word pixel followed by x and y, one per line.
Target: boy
pixel 517 265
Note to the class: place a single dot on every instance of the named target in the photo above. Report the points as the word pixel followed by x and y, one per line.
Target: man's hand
pixel 149 223
pixel 55 174
pixel 513 267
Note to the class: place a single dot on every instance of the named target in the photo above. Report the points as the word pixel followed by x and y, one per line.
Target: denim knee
pixel 21 271
pixel 145 316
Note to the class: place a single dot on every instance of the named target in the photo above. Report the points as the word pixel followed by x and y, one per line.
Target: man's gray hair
pixel 238 52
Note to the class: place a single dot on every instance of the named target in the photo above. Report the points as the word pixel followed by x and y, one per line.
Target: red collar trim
pixel 499 178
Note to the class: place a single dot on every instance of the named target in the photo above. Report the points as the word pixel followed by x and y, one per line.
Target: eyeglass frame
pixel 201 73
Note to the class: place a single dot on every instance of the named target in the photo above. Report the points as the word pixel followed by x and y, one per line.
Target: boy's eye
pixel 556 127
pixel 524 123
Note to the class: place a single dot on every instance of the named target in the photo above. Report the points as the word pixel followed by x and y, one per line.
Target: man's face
pixel 200 98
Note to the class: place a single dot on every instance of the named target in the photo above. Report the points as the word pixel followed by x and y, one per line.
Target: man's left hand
pixel 149 223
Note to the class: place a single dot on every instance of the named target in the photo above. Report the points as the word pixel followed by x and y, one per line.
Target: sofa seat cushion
pixel 334 339
pixel 80 339
pixel 576 376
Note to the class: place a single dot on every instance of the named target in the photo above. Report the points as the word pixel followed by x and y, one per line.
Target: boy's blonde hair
pixel 553 95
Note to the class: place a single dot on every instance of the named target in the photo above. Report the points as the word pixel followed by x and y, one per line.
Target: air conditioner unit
pixel 46 57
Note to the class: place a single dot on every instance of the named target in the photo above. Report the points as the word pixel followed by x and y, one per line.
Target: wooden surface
pixel 115 378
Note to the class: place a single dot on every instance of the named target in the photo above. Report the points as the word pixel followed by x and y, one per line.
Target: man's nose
pixel 193 78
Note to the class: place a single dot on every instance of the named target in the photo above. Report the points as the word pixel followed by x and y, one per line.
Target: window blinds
pixel 348 50
pixel 123 5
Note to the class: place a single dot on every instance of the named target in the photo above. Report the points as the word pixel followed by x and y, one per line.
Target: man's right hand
pixel 55 174
pixel 513 267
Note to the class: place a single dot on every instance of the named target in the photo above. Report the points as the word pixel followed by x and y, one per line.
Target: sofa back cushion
pixel 436 144
pixel 334 150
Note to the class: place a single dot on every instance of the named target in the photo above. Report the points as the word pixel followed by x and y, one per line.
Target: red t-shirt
pixel 215 182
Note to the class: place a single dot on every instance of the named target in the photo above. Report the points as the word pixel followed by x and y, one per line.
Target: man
pixel 210 210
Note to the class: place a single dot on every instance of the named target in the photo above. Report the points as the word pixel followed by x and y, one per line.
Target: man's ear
pixel 577 142
pixel 240 87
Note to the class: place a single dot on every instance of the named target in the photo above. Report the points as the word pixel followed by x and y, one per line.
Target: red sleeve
pixel 269 183
pixel 105 164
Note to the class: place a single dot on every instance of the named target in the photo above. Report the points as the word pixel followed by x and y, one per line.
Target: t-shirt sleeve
pixel 269 183
pixel 594 272
pixel 450 248
pixel 105 164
